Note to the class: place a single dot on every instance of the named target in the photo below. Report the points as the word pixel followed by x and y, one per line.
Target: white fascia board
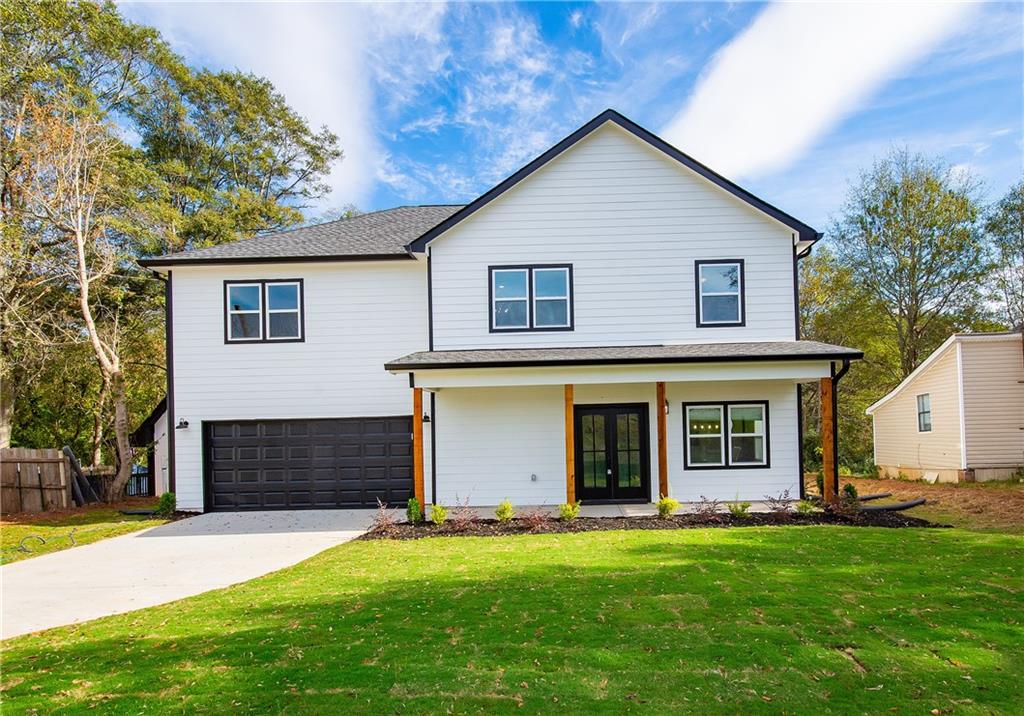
pixel 960 396
pixel 438 378
pixel 913 376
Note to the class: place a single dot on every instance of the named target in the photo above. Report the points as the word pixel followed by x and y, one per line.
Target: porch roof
pixel 624 355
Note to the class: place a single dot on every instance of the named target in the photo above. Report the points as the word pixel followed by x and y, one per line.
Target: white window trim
pixel 568 308
pixel 238 312
pixel 495 299
pixel 297 310
pixel 764 442
pixel 738 293
pixel 721 437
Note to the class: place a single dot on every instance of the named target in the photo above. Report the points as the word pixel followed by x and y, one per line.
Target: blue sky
pixel 435 103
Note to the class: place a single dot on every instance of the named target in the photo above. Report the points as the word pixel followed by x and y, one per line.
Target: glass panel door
pixel 612 453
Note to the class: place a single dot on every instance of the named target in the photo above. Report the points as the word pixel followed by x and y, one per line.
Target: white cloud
pixel 325 60
pixel 795 72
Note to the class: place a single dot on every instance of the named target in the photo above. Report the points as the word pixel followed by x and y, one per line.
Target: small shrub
pixel 819 480
pixel 462 516
pixel 438 514
pixel 845 471
pixel 845 505
pixel 779 505
pixel 806 507
pixel 568 511
pixel 902 476
pixel 505 512
pixel 385 523
pixel 849 490
pixel 739 510
pixel 666 506
pixel 413 511
pixel 707 510
pixel 534 519
pixel 166 505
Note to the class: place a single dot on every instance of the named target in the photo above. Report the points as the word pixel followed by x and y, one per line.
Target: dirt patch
pixel 16 518
pixel 995 506
pixel 494 528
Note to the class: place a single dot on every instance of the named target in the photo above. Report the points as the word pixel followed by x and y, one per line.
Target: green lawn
pixel 754 620
pixel 89 525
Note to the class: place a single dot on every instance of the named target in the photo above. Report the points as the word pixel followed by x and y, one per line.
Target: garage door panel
pixel 299 464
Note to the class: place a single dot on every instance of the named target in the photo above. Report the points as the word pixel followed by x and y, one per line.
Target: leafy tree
pixel 1005 227
pixel 237 159
pixel 909 233
pixel 221 156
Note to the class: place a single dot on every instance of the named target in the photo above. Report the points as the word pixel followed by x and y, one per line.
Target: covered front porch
pixel 617 426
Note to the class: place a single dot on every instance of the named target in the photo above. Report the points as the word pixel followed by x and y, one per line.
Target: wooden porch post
pixel 570 447
pixel 417 445
pixel 662 441
pixel 828 440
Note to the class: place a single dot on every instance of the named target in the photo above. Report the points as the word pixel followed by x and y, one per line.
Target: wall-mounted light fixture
pixel 426 418
pixel 667 410
pixel 182 424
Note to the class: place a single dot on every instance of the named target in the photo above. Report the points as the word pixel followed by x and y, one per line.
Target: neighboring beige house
pixel 959 416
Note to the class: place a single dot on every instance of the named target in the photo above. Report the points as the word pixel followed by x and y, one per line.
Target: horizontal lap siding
pixel 493 439
pixel 994 402
pixel 358 316
pixel 632 222
pixel 897 440
pixel 744 484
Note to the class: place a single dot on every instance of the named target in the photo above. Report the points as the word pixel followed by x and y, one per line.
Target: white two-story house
pixel 613 322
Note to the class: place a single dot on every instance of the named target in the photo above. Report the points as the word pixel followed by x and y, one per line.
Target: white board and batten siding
pixel 358 316
pixel 993 391
pixel 498 443
pixel 631 221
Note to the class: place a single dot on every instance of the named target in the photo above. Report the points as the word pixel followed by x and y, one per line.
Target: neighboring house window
pixel 720 292
pixel 924 413
pixel 531 298
pixel 263 311
pixel 726 435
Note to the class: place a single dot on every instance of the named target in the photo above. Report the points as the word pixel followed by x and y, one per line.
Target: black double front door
pixel 612 453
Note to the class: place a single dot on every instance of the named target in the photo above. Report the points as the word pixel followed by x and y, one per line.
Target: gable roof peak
pixel 804 232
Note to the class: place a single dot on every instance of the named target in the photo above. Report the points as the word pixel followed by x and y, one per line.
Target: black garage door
pixel 307 464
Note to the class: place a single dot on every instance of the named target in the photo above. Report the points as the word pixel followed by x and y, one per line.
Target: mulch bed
pixel 493 528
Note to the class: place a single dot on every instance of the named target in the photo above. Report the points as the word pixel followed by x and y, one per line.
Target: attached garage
pixel 308 464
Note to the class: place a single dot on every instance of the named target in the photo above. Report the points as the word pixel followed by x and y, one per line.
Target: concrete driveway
pixel 164 563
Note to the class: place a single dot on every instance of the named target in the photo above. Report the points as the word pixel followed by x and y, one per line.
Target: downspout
pixel 836 377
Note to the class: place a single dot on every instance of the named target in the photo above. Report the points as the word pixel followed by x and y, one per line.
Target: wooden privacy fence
pixel 34 480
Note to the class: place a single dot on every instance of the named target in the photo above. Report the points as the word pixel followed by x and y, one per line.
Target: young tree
pixel 87 186
pixel 910 233
pixel 1005 228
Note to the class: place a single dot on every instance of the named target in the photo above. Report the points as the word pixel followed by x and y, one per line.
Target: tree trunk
pixel 125 454
pixel 97 423
pixel 6 414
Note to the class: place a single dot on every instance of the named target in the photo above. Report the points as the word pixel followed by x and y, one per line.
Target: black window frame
pixel 263 283
pixel 530 299
pixel 727 435
pixel 742 295
pixel 922 413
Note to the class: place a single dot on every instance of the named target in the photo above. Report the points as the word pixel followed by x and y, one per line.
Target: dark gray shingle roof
pixel 688 353
pixel 377 234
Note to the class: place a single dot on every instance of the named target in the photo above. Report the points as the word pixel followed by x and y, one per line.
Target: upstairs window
pixel 263 311
pixel 924 413
pixel 719 293
pixel 531 298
